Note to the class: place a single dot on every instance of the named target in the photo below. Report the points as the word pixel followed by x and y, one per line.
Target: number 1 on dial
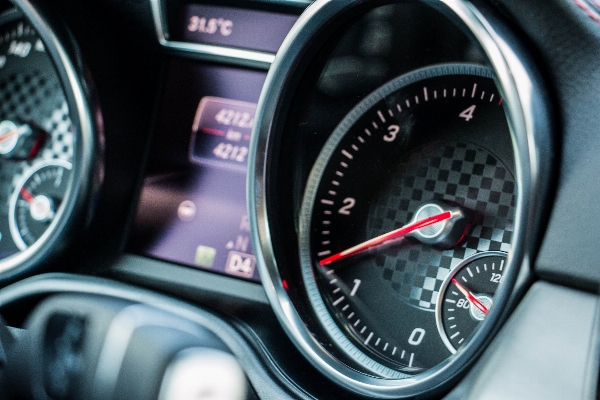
pixel 355 288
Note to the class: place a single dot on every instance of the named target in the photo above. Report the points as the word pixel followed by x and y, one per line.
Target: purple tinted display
pixel 221 133
pixel 192 208
pixel 234 27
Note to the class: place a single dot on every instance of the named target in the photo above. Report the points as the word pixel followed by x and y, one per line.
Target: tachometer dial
pixel 467 297
pixel 405 189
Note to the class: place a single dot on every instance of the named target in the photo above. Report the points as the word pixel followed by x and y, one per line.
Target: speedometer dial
pixel 405 189
pixel 47 144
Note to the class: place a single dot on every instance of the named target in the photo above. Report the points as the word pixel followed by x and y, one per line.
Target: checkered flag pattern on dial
pixel 34 97
pixel 459 173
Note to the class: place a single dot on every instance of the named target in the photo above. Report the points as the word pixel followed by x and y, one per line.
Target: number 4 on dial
pixel 468 113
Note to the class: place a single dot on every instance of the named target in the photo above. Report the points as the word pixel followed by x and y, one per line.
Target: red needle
pixel 386 237
pixel 27 196
pixel 471 297
pixel 32 200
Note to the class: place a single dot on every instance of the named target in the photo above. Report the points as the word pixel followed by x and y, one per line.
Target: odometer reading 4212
pixel 405 190
pixel 221 132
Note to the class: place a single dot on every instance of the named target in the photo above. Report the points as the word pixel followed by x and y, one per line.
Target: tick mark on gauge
pixel 381 117
pixel 324 253
pixel 469 271
pixel 343 164
pixel 330 272
pixel 335 183
pixel 425 94
pixel 368 337
pixel 377 341
pixel 482 95
pixel 407 103
pixel 360 139
pixel 327 212
pixel 363 329
pixel 455 335
pixel 354 147
pixel 450 301
pixel 348 155
pixel 367 132
pixel 327 202
pixel 398 107
pixel 338 301
pixel 394 351
pixel 454 92
pixel 435 94
pixel 412 357
pixel 501 265
pixel 463 278
pixel 474 90
pixel 325 233
pixel 390 112
pixel 417 99
pixel 403 354
pixel 338 173
pixel 492 98
pixel 386 346
pixel 331 282
pixel 351 314
pixel 356 323
pixel 375 125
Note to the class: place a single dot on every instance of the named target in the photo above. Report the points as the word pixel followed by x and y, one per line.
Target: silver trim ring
pixel 525 103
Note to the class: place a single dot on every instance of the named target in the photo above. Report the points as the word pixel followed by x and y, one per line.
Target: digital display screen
pixel 192 208
pixel 233 27
pixel 221 132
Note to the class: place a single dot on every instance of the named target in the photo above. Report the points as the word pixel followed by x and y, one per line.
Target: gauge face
pixel 36 200
pixel 38 145
pixel 416 179
pixel 467 296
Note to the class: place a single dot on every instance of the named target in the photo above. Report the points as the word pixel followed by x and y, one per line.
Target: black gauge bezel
pixel 529 122
pixel 76 210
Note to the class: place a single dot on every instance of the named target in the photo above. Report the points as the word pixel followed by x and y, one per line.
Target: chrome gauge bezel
pixel 528 120
pixel 76 210
pixel 438 309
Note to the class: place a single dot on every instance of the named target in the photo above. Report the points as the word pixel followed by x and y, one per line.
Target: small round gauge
pixel 467 297
pixel 36 199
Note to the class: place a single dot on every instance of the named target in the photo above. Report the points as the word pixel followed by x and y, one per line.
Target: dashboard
pixel 293 199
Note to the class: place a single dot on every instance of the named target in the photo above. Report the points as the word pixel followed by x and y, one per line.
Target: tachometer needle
pixel 386 237
pixel 471 297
